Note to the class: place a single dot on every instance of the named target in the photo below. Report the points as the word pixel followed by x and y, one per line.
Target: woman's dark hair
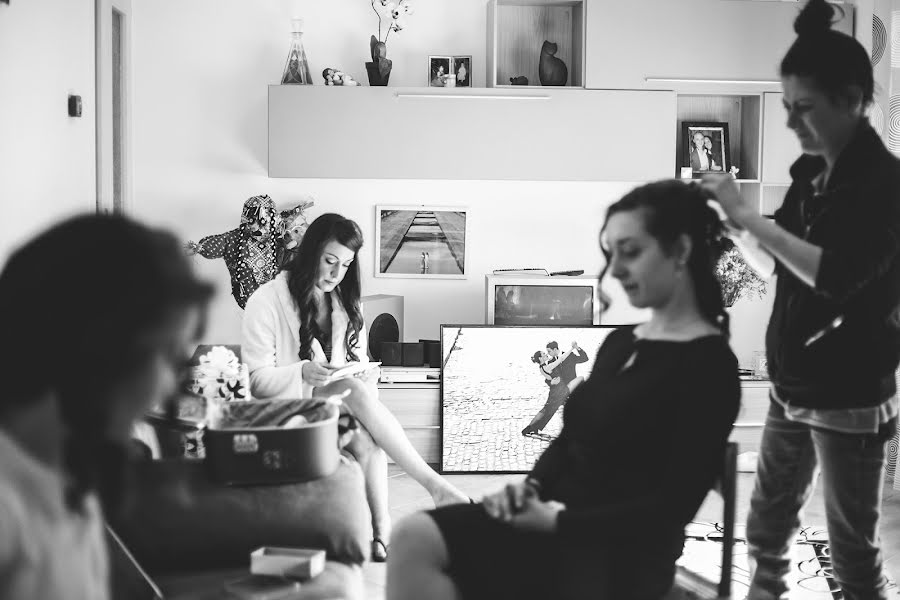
pixel 303 270
pixel 77 306
pixel 833 60
pixel 671 208
pixel 536 357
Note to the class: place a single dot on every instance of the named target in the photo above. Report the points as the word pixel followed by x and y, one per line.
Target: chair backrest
pixel 691 586
pixel 727 487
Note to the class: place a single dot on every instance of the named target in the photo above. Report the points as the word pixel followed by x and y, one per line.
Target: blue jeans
pixel 852 467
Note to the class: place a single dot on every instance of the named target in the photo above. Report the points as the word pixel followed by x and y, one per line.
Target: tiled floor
pixel 406 497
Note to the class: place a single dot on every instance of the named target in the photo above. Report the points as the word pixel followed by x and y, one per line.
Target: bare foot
pixel 448 494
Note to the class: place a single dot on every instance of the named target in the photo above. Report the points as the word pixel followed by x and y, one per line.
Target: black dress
pixel 642 443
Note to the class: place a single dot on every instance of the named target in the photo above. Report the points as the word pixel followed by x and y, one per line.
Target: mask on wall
pixel 258 248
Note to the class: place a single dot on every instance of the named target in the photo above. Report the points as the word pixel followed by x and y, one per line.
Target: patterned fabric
pixel 249 250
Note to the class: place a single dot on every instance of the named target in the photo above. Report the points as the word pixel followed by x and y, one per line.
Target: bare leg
pixel 373 461
pixel 389 435
pixel 417 565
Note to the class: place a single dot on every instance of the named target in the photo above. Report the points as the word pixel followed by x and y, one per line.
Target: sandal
pixel 379 550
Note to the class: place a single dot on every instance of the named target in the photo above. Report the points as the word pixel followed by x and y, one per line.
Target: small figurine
pixel 552 70
pixel 520 80
pixel 734 171
pixel 337 77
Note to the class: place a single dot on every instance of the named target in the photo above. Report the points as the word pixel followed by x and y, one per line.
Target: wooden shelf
pixel 517 30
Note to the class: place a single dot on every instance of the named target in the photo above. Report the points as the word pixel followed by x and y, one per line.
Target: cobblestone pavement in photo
pixel 492 391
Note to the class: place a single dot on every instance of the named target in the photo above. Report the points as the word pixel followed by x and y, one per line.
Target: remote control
pixel 577 272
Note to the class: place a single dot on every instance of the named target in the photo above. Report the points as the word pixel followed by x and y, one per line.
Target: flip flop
pixel 379 550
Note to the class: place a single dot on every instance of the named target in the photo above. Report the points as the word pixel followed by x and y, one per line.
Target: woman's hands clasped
pixel 519 505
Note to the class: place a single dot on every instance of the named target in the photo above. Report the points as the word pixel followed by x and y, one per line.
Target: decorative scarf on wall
pixel 248 251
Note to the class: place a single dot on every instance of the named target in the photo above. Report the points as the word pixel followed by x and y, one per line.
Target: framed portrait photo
pixel 450 71
pixel 462 70
pixel 439 70
pixel 423 242
pixel 705 147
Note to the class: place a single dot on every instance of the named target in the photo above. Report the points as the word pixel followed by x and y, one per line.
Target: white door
pixel 113 47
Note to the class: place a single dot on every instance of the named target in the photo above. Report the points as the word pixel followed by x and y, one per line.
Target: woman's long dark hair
pixel 671 208
pixel 77 305
pixel 833 60
pixel 303 270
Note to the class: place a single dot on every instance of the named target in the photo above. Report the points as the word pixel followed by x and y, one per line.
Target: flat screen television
pixel 541 300
pixel 491 390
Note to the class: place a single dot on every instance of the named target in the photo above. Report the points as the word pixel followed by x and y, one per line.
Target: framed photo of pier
pixel 426 242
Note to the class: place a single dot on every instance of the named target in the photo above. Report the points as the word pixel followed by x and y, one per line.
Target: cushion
pixel 180 519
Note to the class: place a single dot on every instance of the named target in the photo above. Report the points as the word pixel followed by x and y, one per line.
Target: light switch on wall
pixel 74 104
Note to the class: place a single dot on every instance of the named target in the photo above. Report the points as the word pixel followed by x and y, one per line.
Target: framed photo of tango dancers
pixel 503 389
pixel 705 147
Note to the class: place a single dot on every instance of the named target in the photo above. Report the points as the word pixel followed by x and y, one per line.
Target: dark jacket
pixel 856 221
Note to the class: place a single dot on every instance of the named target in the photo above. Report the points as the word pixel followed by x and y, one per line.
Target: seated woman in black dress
pixel 602 514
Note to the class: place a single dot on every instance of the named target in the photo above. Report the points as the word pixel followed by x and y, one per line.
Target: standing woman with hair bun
pixel 833 341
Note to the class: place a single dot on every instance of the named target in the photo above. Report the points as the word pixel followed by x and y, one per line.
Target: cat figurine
pixel 520 80
pixel 551 70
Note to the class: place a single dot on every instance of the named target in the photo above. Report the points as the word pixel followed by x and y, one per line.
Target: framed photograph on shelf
pixel 462 70
pixel 705 147
pixel 439 69
pixel 450 71
pixel 426 242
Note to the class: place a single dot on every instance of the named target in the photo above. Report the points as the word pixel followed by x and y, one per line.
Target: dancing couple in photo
pixel 559 373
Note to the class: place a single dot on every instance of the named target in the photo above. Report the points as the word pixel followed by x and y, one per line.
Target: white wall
pixel 46 157
pixel 201 71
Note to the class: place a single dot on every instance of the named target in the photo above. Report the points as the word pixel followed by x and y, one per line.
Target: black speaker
pixel 384 321
pixel 432 353
pixel 413 354
pixel 391 354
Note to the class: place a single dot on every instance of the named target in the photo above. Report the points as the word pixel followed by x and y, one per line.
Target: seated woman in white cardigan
pixel 305 323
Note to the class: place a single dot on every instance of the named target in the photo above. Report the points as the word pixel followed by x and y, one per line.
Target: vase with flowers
pixel 736 277
pixel 391 17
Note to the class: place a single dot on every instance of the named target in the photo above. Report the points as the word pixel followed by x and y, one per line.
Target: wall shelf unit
pixel 552 134
pixel 517 30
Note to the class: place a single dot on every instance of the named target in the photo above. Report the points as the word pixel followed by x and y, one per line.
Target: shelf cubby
pixel 517 30
pixel 741 112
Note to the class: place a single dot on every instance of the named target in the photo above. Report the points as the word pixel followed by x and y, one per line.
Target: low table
pixel 336 581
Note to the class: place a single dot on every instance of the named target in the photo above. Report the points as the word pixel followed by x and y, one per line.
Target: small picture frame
pixel 450 71
pixel 705 147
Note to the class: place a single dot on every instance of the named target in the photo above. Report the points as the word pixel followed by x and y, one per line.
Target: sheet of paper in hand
pixel 354 368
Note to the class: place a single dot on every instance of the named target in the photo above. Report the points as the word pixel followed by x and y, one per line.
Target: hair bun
pixel 816 17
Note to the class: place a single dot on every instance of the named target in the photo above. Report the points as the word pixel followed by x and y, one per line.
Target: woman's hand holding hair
pixel 727 195
pixel 316 374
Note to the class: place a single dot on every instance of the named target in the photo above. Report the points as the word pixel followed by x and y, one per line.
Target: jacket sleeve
pixel 259 342
pixel 215 246
pixel 708 401
pixel 580 356
pixel 866 249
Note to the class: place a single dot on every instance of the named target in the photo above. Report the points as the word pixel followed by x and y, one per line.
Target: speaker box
pixel 432 353
pixel 390 354
pixel 413 354
pixel 383 314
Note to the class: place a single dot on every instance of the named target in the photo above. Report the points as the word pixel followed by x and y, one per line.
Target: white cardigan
pixel 271 340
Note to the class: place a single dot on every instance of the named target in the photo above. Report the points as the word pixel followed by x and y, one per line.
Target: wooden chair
pixel 689 585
